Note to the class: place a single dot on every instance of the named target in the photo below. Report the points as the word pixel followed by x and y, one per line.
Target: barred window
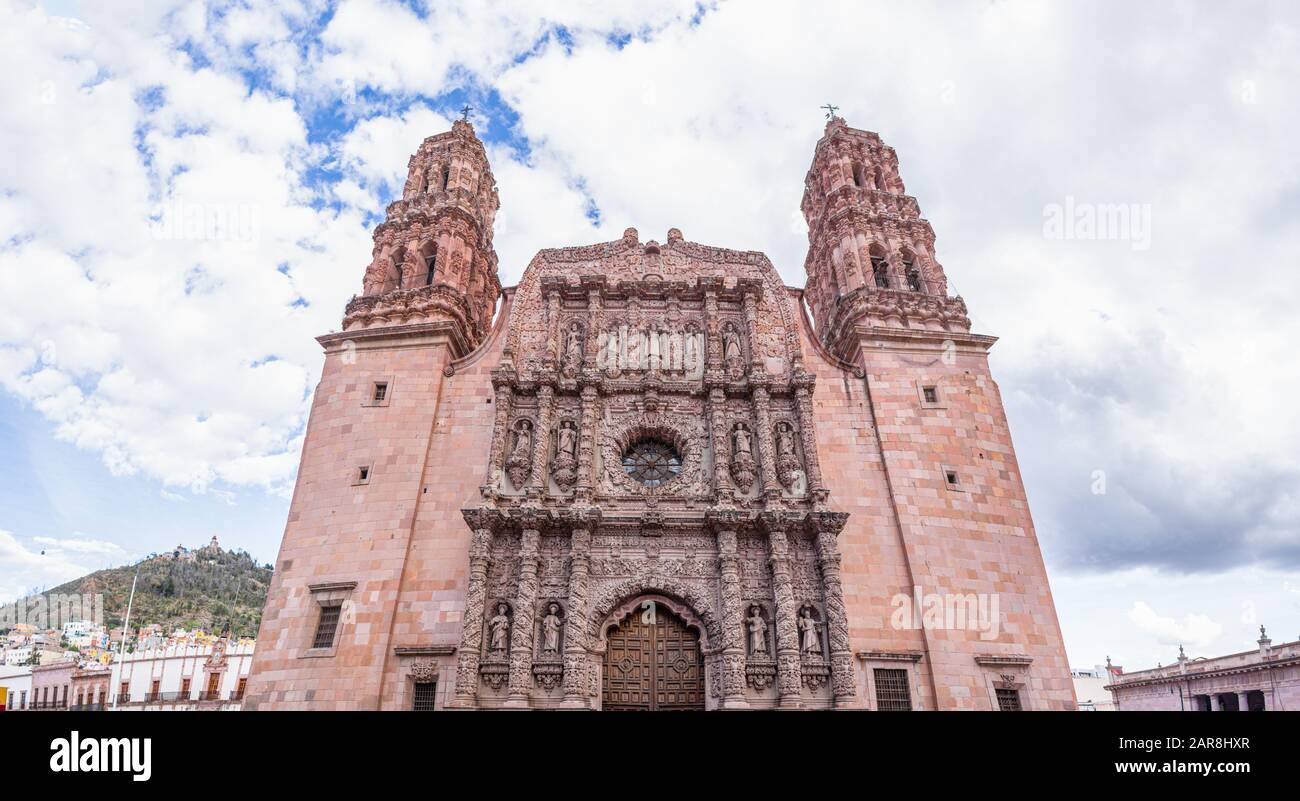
pixel 1008 700
pixel 424 695
pixel 329 623
pixel 891 690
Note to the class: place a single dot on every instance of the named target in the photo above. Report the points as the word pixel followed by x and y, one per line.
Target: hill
pixel 186 589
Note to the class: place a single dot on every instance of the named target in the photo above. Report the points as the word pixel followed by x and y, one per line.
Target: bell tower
pixel 870 259
pixel 433 259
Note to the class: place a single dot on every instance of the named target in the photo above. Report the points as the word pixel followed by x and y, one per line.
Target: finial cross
pixel 464 113
pixel 830 111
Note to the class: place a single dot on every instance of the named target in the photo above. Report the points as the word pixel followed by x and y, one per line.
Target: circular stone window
pixel 652 462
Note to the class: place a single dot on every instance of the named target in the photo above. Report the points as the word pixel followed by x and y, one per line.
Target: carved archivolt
pixel 683 599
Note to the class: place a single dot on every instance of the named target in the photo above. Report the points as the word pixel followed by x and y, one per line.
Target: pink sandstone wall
pixel 979 540
pixel 338 532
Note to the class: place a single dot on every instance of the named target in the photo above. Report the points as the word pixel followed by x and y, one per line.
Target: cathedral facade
pixel 647 478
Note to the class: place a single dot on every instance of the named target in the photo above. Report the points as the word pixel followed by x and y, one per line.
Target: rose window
pixel 652 462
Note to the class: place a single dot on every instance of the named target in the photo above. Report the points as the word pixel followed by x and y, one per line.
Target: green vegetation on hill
pixel 187 593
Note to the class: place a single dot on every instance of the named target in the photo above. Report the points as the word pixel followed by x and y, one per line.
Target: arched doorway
pixel 653 661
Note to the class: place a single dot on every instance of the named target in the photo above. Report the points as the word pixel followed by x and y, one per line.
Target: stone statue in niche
pixel 499 630
pixel 757 628
pixel 743 467
pixel 788 467
pixel 573 349
pixel 809 642
pixel 732 353
pixel 520 461
pixel 564 468
pixel 551 629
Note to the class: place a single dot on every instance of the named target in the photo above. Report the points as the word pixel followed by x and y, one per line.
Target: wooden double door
pixel 652 662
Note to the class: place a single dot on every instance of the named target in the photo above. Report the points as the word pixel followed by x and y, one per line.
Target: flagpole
pixel 121 646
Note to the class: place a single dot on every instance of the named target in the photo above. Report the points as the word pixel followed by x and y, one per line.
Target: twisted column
pixel 540 475
pixel 763 439
pixel 788 669
pixel 587 443
pixel 733 635
pixel 471 635
pixel 843 682
pixel 575 616
pixel 721 437
pixel 808 437
pixel 521 635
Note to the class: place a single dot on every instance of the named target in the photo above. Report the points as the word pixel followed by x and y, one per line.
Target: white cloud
pixel 52 562
pixel 188 359
pixel 1194 630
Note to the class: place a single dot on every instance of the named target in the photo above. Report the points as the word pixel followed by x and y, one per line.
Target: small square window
pixel 931 394
pixel 952 478
pixel 361 475
pixel 380 391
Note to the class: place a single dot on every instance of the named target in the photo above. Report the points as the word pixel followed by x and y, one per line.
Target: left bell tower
pixel 428 298
pixel 433 258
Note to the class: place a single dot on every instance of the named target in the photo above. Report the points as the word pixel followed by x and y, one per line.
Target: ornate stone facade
pixel 652 482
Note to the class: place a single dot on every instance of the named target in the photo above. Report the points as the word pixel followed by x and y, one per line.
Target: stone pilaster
pixel 733 635
pixel 763 439
pixel 788 669
pixel 500 432
pixel 587 442
pixel 808 437
pixel 843 682
pixel 554 347
pixel 521 635
pixel 721 438
pixel 575 629
pixel 471 637
pixel 539 479
pixel 751 324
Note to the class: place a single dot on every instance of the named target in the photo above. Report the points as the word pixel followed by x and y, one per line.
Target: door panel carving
pixel 653 666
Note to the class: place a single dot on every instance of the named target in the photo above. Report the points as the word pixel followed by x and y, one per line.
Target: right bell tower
pixel 870 259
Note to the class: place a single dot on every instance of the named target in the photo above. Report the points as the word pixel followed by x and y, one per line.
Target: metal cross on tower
pixel 464 113
pixel 830 111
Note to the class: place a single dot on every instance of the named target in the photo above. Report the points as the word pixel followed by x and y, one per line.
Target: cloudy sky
pixel 155 375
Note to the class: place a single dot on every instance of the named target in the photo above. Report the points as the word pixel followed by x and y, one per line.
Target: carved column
pixel 751 324
pixel 843 682
pixel 500 432
pixel 733 634
pixel 553 333
pixel 575 628
pixel 587 442
pixel 788 670
pixel 538 481
pixel 763 438
pixel 521 635
pixel 808 437
pixel 721 439
pixel 471 637
pixel 595 324
pixel 713 331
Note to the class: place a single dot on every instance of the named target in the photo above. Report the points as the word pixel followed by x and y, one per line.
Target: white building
pixel 1090 689
pixel 18 680
pixel 18 655
pixel 183 677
